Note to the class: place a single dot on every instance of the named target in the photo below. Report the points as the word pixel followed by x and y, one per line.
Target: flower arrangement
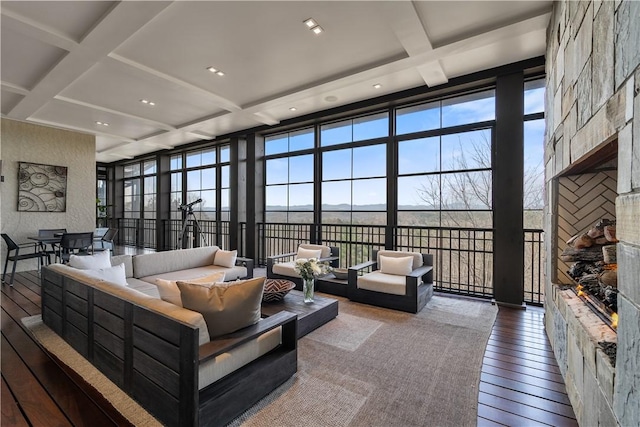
pixel 311 268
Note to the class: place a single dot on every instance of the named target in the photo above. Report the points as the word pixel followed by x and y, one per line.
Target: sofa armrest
pixel 230 341
pixel 420 271
pixel 248 263
pixel 363 265
pixel 275 257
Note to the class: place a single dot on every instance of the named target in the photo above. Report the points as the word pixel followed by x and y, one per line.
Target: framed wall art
pixel 42 188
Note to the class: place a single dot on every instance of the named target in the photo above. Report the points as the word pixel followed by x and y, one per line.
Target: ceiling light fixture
pixel 102 123
pixel 215 71
pixel 147 102
pixel 310 23
pixel 377 86
pixel 317 29
pixel 293 108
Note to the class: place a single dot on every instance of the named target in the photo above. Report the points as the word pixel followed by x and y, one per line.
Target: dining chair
pixel 18 256
pixel 106 241
pixel 75 244
pixel 50 233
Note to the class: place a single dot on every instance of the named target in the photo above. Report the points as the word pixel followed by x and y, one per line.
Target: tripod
pixel 184 234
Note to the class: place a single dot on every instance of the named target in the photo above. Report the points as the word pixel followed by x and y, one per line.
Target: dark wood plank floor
pixel 520 383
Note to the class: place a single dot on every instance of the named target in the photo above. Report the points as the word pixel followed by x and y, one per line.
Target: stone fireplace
pixel 593 82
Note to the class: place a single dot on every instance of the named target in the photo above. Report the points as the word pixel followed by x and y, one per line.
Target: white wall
pixel 25 142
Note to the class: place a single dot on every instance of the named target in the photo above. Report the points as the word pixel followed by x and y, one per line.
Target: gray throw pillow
pixel 226 307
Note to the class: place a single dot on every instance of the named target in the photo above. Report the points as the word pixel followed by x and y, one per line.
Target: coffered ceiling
pixel 75 64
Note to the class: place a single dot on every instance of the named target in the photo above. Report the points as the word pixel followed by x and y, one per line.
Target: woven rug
pixel 372 366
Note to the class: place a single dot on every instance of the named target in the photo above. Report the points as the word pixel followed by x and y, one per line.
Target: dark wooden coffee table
pixel 310 316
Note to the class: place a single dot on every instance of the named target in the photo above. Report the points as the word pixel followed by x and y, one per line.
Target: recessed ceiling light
pixel 220 73
pixel 212 69
pixel 293 108
pixel 331 98
pixel 310 23
pixel 147 102
pixel 102 123
pixel 317 29
pixel 377 86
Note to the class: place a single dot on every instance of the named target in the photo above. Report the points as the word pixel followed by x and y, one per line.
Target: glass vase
pixel 307 290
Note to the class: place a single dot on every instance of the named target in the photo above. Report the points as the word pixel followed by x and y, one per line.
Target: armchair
pixel 282 266
pixel 398 280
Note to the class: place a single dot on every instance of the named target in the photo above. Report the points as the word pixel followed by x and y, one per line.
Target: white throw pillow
pixel 114 274
pixel 224 258
pixel 400 266
pixel 308 253
pixel 169 292
pixel 91 262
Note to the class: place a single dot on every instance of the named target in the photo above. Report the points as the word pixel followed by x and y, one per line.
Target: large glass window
pixel 203 179
pixel 533 180
pixel 352 130
pixel 140 189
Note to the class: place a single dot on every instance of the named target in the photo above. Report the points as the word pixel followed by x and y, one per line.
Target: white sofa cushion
pixel 198 272
pixel 308 253
pixel 157 263
pixel 127 260
pixel 115 274
pixel 400 266
pixel 417 257
pixel 285 269
pixel 144 287
pixel 91 262
pixel 214 369
pixel 169 292
pixel 226 307
pixel 381 282
pixel 225 258
pixel 325 251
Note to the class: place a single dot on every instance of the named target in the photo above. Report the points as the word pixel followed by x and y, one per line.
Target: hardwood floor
pixel 520 383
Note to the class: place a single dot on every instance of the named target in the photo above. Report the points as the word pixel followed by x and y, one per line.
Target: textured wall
pixel 24 142
pixel 593 97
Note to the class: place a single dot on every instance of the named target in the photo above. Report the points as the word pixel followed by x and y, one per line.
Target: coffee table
pixel 310 316
pixel 330 284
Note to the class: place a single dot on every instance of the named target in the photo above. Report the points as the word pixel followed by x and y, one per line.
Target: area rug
pixel 368 367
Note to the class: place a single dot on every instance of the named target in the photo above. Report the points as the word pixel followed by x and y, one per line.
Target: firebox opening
pixel 586 240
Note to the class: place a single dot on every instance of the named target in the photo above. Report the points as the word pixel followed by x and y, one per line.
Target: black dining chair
pixel 106 242
pixel 75 244
pixel 34 252
pixel 54 234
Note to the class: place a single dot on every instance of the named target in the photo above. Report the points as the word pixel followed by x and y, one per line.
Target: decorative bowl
pixel 276 289
pixel 341 273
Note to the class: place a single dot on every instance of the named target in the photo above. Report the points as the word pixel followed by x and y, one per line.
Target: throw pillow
pixel 224 258
pixel 226 307
pixel 308 253
pixel 169 292
pixel 91 262
pixel 114 274
pixel 399 266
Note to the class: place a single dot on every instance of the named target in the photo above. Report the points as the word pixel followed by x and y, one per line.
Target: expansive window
pixel 444 162
pixel 140 189
pixel 533 191
pixel 200 178
pixel 289 167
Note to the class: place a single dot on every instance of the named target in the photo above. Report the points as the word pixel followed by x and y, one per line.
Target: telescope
pixel 189 205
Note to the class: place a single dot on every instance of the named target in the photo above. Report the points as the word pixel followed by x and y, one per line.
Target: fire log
pixel 592 254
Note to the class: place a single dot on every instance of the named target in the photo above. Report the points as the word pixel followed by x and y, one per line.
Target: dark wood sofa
pixel 155 358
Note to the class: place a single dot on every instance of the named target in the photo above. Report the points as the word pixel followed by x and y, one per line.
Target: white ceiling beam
pixel 405 22
pixel 122 21
pixel 10 87
pixel 220 101
pixel 81 129
pixel 36 30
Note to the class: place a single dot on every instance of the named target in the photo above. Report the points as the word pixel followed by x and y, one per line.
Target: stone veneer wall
pixel 593 82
